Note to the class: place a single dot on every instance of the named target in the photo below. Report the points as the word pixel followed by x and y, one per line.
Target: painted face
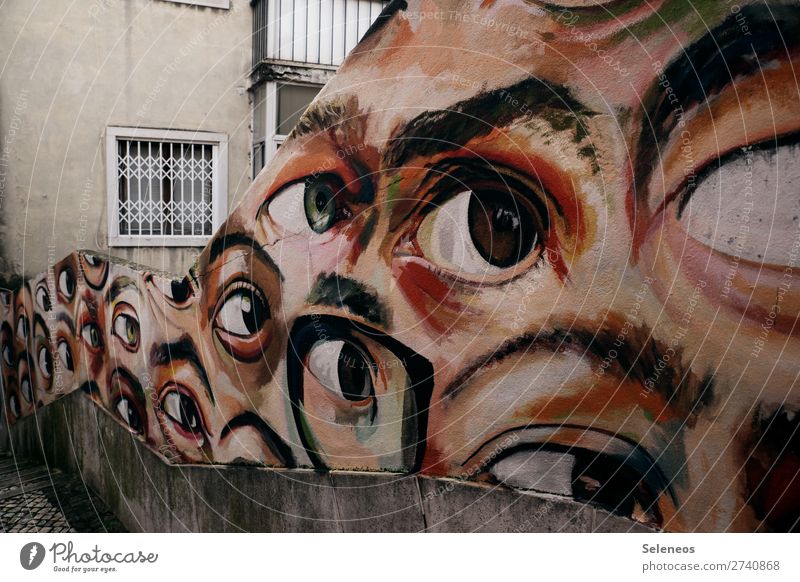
pixel 131 397
pixel 537 225
pixel 243 339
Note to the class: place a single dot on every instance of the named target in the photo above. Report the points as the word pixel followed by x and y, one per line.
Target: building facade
pixel 133 127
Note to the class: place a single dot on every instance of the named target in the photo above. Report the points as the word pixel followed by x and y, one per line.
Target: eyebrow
pixel 132 381
pixel 637 360
pixel 357 298
pixel 64 318
pixel 708 66
pixel 118 286
pixel 183 349
pixel 449 129
pixel 239 239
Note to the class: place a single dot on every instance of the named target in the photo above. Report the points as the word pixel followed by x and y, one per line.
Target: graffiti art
pixel 562 261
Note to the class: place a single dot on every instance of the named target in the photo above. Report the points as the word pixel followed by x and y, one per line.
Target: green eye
pixel 91 336
pixel 320 205
pixel 126 328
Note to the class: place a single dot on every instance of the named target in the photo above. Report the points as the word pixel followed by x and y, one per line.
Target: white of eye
pixel 323 363
pixel 14 405
pixel 7 355
pixel 287 212
pixel 22 329
pixel 63 354
pixel 25 388
pixel 64 284
pixel 44 367
pixel 123 409
pixel 233 312
pixel 545 471
pixel 749 207
pixel 327 360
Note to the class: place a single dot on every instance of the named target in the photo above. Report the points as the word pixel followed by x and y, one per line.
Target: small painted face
pixel 91 326
pixel 130 396
pixel 213 342
pixel 527 222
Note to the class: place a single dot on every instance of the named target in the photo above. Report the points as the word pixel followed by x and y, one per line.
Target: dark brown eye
pixel 503 229
pixel 483 231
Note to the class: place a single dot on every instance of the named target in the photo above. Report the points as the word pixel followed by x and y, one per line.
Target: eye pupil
pixel 320 202
pixel 320 206
pixel 353 368
pixel 503 229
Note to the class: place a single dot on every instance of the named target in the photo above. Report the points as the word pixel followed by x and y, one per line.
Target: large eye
pixel 314 204
pixel 242 315
pixel 359 398
pixel 482 232
pixel 65 355
pixel 343 369
pixel 127 412
pixel 182 410
pixel 45 362
pixel 743 204
pixel 22 328
pixel 90 334
pixel 66 284
pixel 583 475
pixel 126 328
pixel 42 298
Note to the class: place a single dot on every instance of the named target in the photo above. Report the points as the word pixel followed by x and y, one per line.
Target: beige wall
pixel 69 70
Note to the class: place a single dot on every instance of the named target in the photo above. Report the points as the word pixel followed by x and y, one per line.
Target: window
pixel 166 187
pixel 224 4
pixel 276 109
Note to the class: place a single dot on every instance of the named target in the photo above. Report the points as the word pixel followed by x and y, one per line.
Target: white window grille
pixel 166 187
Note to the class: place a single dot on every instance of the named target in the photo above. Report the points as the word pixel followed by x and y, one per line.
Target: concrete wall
pixel 72 69
pixel 148 494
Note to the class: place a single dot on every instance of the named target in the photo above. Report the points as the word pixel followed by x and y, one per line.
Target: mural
pixel 550 246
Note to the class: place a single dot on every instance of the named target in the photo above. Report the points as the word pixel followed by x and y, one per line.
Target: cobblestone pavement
pixel 34 498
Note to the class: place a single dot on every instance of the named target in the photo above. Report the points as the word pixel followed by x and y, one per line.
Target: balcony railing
pixel 315 32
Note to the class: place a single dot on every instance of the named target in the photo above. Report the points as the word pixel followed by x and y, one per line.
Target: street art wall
pixel 551 247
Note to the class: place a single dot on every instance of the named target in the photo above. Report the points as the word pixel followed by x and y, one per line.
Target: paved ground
pixel 34 498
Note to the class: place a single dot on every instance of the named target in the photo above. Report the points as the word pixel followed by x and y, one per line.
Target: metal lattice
pixel 165 188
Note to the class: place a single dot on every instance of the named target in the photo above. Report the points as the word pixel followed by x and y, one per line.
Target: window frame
pixel 273 139
pixel 219 183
